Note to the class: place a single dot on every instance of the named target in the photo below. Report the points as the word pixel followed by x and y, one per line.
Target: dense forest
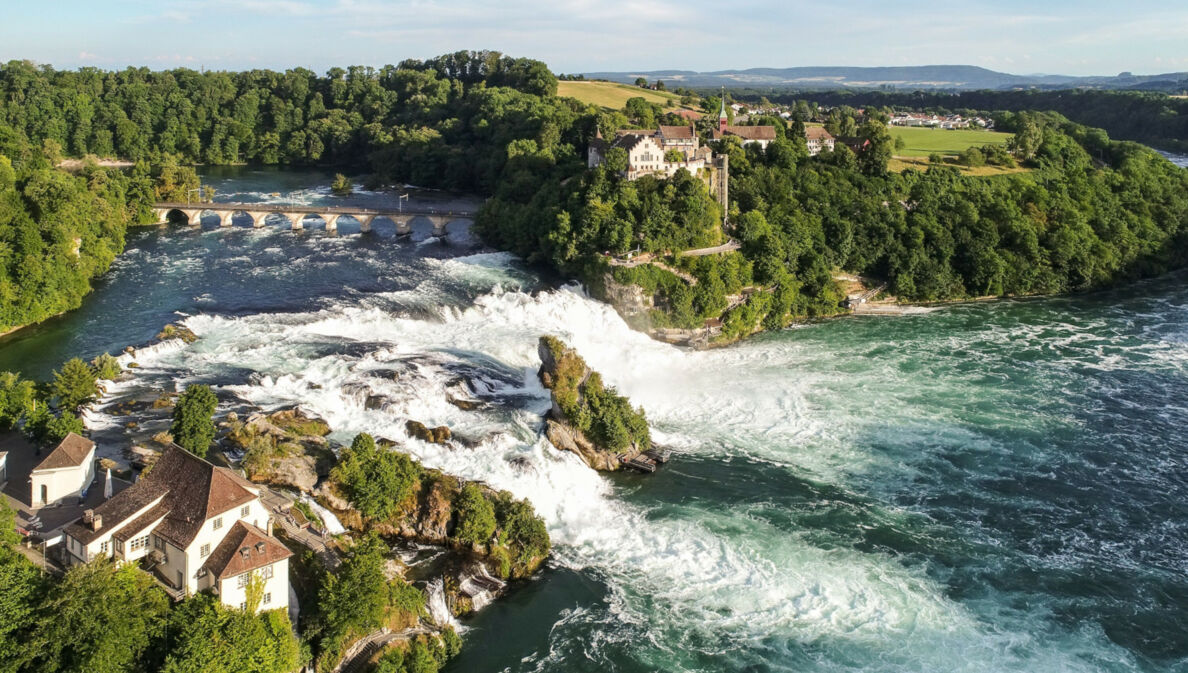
pixel 1155 119
pixel 59 231
pixel 1089 212
pixel 448 122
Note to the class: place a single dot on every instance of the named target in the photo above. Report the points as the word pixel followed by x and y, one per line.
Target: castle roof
pixel 748 132
pixel 677 132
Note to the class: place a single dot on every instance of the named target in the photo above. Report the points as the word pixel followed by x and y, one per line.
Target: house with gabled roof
pixel 194 527
pixel 757 135
pixel 818 140
pixel 64 473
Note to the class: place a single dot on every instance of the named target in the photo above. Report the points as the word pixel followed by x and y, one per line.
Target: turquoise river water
pixel 998 486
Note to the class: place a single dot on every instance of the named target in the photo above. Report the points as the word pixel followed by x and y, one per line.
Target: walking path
pixel 358 655
pixel 279 504
pixel 649 258
pixel 728 246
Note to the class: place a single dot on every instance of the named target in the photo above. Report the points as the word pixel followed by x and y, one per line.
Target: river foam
pixel 698 584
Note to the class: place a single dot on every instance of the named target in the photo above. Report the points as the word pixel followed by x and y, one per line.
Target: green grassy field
pixel 920 142
pixel 612 95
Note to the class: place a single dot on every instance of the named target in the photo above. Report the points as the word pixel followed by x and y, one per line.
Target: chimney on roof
pixel 96 522
pixel 88 516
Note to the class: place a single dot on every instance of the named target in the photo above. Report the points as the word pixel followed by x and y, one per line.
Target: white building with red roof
pixel 195 527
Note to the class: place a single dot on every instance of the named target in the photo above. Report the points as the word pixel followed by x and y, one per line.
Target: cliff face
pixel 587 418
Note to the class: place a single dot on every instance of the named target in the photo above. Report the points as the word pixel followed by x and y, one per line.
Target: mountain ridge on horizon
pixel 962 77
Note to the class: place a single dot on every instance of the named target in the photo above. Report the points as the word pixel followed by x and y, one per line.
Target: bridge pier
pixel 296 220
pixel 364 222
pixel 225 218
pixel 403 224
pixel 194 217
pixel 258 217
pixel 439 225
pixel 331 221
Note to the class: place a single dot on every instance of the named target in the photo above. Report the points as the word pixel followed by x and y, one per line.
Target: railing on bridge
pixel 296 214
pixel 215 206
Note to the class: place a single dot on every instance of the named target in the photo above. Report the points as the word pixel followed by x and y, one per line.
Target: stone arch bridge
pixel 296 215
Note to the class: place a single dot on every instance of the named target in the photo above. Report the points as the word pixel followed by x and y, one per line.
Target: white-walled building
pixel 194 526
pixel 65 473
pixel 3 468
pixel 647 150
pixel 818 140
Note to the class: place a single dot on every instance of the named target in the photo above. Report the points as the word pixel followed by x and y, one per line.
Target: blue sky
pixel 1048 36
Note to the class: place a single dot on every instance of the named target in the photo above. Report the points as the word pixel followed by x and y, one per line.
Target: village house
pixel 65 473
pixel 758 135
pixel 818 140
pixel 194 527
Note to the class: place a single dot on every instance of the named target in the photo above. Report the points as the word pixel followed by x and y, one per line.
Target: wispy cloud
pixel 577 35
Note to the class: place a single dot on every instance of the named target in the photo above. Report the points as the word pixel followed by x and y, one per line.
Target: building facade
pixel 818 140
pixel 749 135
pixel 65 473
pixel 194 527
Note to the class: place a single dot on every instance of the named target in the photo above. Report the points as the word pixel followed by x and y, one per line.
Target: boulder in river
pixel 439 435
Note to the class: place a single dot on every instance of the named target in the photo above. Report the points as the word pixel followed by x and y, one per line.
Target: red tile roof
pixel 244 548
pixel 749 132
pixel 817 133
pixel 192 491
pixel 677 132
pixel 70 452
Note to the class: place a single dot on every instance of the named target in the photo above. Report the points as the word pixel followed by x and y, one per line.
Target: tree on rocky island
pixel 342 185
pixel 476 516
pixel 597 416
pixel 378 481
pixel 193 426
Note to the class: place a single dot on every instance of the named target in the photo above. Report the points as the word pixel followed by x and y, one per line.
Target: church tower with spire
pixel 722 118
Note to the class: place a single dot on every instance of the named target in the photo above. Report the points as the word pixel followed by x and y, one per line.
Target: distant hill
pixel 897 77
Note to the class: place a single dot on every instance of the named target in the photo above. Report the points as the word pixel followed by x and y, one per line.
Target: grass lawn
pixel 920 142
pixel 901 164
pixel 612 95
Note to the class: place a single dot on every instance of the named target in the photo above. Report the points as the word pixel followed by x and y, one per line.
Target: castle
pixel 662 153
